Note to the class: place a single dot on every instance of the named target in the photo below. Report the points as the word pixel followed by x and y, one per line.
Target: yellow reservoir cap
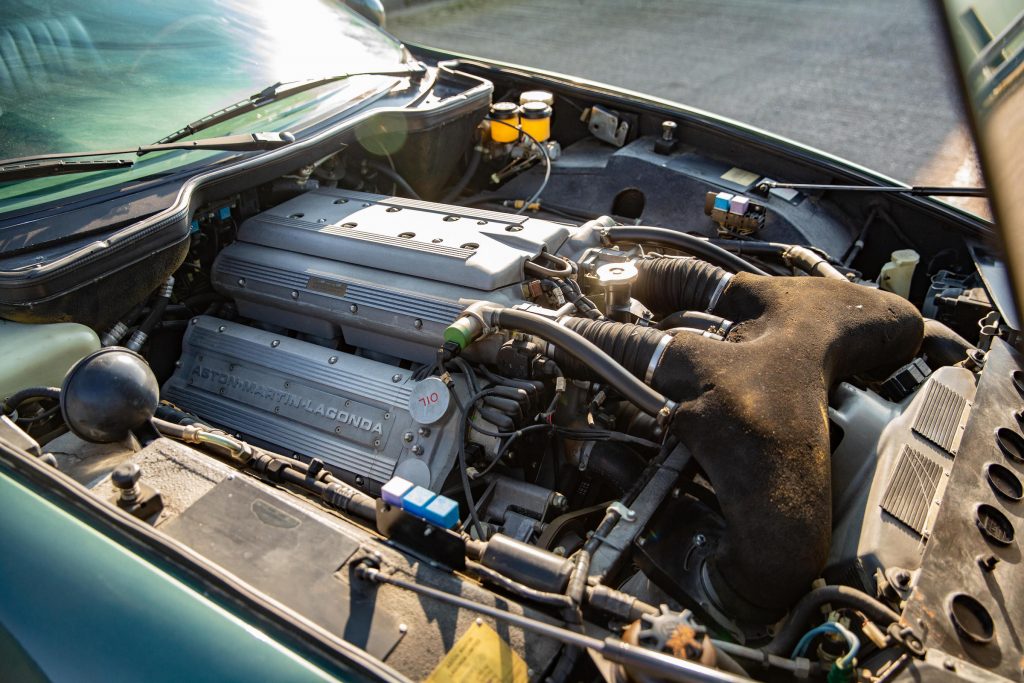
pixel 535 118
pixel 505 123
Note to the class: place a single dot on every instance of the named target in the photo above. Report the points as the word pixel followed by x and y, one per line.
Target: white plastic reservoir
pixel 40 355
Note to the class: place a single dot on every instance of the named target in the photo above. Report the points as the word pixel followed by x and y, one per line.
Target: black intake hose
pixel 631 345
pixel 616 464
pixel 753 409
pixel 666 285
pixel 572 345
pixel 697 246
pixel 942 346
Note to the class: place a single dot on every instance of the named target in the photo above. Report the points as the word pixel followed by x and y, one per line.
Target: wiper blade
pixel 275 92
pixel 919 190
pixel 45 165
pixel 52 167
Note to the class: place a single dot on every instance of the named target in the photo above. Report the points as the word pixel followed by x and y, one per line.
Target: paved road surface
pixel 865 80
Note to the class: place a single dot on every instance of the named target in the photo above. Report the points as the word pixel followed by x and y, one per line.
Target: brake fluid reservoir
pixel 505 123
pixel 535 118
pixel 40 355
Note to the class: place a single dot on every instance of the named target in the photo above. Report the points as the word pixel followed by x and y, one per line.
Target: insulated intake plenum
pixel 754 412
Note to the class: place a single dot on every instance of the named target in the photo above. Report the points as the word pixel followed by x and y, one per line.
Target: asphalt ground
pixel 866 80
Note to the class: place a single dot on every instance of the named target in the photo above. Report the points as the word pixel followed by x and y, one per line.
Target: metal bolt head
pixel 699 540
pixel 407 437
pixel 126 475
pixel 423 431
pixel 274 344
pixel 332 360
pixel 295 295
pixel 559 501
pixel 417 450
pixel 353 309
pixel 396 378
pixel 241 282
pixel 668 130
pixel 417 323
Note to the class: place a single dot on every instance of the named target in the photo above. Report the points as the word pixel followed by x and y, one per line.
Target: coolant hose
pixel 578 348
pixel 697 246
pixel 666 285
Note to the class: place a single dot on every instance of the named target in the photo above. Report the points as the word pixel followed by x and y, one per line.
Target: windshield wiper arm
pixel 44 165
pixel 919 190
pixel 275 92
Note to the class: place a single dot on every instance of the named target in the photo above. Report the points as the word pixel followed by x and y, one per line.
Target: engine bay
pixel 658 399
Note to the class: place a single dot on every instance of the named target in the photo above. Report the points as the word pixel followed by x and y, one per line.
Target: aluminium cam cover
pixel 387 273
pixel 357 415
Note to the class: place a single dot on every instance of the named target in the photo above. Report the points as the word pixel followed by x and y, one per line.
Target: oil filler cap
pixel 429 401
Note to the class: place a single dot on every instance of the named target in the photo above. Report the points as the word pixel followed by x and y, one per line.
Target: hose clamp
pixel 659 351
pixel 716 295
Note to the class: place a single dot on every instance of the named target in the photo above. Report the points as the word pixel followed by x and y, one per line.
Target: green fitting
pixel 463 331
pixel 838 674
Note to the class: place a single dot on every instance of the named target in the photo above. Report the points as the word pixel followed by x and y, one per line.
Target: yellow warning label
pixel 480 656
pixel 739 176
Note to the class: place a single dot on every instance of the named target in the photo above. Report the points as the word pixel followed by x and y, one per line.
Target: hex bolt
pixel 407 437
pixel 332 360
pixel 396 378
pixel 417 323
pixel 559 501
pixel 417 450
pixel 423 431
pixel 668 130
pixel 353 309
pixel 125 479
pixel 241 282
pixel 295 294
pixel 274 344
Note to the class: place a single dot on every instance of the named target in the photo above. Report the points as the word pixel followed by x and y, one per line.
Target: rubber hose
pixel 573 345
pixel 666 285
pixel 460 185
pixel 697 320
pixel 942 346
pixel 697 246
pixel 11 404
pixel 630 345
pixel 809 608
pixel 393 175
pixel 807 260
pixel 615 464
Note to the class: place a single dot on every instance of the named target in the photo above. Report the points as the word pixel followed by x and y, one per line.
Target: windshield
pixel 79 75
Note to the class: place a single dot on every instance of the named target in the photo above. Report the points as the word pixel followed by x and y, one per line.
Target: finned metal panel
pixel 351 412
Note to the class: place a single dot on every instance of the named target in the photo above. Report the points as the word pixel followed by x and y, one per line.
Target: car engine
pixel 703 441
